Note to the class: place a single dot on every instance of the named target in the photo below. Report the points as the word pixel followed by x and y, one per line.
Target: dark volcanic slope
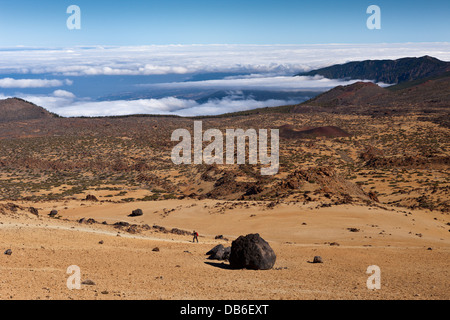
pixel 360 93
pixel 387 71
pixel 432 95
pixel 18 110
pixel 289 132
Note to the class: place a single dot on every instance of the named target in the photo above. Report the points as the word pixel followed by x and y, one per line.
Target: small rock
pixel 318 259
pixel 101 242
pixel 137 213
pixel 8 252
pixel 90 197
pixel 155 249
pixel 34 211
pixel 88 283
pixel 53 213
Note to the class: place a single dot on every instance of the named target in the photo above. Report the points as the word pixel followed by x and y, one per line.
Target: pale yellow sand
pixel 125 267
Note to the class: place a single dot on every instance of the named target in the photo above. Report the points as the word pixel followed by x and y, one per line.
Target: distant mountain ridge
pixel 15 109
pixel 428 93
pixel 386 71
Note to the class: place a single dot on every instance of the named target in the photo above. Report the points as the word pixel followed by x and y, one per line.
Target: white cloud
pixel 184 59
pixel 32 83
pixel 65 104
pixel 277 83
pixel 170 106
pixel 63 94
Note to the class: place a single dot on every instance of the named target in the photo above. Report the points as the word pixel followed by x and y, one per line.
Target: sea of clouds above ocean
pixel 266 67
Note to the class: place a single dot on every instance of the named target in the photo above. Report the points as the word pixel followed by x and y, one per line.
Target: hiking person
pixel 195 234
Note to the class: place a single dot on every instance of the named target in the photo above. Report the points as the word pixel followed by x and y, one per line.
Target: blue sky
pixel 43 23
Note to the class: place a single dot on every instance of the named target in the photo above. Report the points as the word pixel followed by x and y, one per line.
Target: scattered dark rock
pixel 251 252
pixel 318 259
pixel 88 283
pixel 121 224
pixel 180 232
pixel 373 196
pixel 34 211
pixel 53 213
pixel 137 213
pixel 353 229
pixel 8 252
pixel 160 229
pixel 221 237
pixel 155 249
pixel 87 221
pixel 281 268
pixel 90 197
pixel 101 242
pixel 133 229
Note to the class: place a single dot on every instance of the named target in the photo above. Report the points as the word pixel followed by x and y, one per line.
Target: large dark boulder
pixel 252 252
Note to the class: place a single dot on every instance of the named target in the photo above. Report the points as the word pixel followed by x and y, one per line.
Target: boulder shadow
pixel 221 265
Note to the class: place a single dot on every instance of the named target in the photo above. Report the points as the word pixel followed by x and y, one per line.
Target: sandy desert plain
pixel 357 190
